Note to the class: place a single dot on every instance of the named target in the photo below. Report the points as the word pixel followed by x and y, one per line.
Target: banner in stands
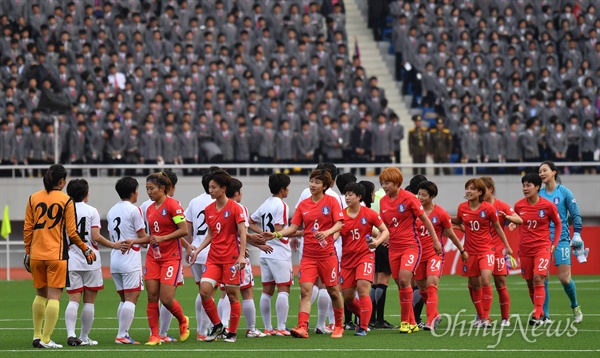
pixel 589 234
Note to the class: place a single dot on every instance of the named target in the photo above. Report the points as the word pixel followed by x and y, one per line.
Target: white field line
pixel 283 350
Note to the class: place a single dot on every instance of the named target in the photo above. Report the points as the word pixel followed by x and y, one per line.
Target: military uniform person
pixel 441 145
pixel 418 143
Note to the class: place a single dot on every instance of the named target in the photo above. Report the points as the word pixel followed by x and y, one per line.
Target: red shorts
pixel 500 268
pixel 168 272
pixel 326 269
pixel 406 260
pixel 478 263
pixel 535 265
pixel 363 271
pixel 222 273
pixel 431 266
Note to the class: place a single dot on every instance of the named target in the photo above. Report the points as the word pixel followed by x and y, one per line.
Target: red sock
pixel 539 295
pixel 338 314
pixel 504 302
pixel 486 301
pixel 366 308
pixel 406 296
pixel 531 294
pixel 234 317
pixel 424 295
pixel 476 295
pixel 354 306
pixel 153 313
pixel 177 312
pixel 211 311
pixel 471 293
pixel 303 319
pixel 431 306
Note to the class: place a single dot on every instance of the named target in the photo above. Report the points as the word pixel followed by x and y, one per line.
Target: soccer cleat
pixel 255 333
pixel 73 341
pixel 322 330
pixel 215 332
pixel 486 324
pixel 546 320
pixel 437 321
pixel 338 332
pixel 534 321
pixel 270 332
pixel 35 343
pixel 184 329
pixel 299 332
pixel 360 332
pixel 350 326
pixel 224 334
pixel 282 333
pixel 426 327
pixel 154 341
pixel 414 328
pixel 200 337
pixel 505 323
pixel 405 327
pixel 385 325
pixel 577 315
pixel 230 337
pixel 167 339
pixel 476 322
pixel 88 342
pixel 421 324
pixel 125 340
pixel 49 345
pixel 373 325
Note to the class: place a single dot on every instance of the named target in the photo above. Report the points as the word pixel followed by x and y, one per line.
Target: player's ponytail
pixel 55 173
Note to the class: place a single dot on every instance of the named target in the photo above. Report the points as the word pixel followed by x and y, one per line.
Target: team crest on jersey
pixel 434 220
pixel 164 212
pixel 226 215
pixel 556 201
pixel 326 210
pixel 482 214
pixel 541 213
pixel 401 208
pixel 363 221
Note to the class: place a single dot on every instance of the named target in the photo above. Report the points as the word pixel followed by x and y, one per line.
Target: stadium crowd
pixel 512 80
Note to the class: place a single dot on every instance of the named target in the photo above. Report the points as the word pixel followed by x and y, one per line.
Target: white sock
pixel 126 314
pixel 165 320
pixel 330 316
pixel 265 311
pixel 87 319
pixel 71 318
pixel 323 303
pixel 249 310
pixel 119 309
pixel 313 295
pixel 198 307
pixel 282 307
pixel 224 309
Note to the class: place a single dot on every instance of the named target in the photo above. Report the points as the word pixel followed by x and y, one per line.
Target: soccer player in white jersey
pixel 125 222
pixel 324 308
pixel 165 315
pixel 197 230
pixel 84 279
pixel 275 267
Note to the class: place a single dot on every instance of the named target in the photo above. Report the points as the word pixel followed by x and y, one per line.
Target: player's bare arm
pixel 102 240
pixel 500 232
pixel 449 233
pixel 381 237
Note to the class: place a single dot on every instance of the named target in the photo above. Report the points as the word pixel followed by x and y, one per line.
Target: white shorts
pixel 129 281
pixel 180 279
pixel 197 271
pixel 278 272
pixel 85 280
pixel 248 277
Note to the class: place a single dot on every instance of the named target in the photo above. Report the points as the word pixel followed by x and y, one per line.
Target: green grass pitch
pixel 453 338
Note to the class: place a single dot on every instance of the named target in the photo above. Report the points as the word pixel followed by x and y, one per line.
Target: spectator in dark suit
pixel 361 142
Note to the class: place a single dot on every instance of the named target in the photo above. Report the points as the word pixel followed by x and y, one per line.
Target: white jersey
pixel 124 222
pixel 87 218
pixel 143 209
pixel 274 211
pixel 195 213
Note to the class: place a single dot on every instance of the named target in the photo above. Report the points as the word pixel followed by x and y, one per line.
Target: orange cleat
pixel 299 332
pixel 337 332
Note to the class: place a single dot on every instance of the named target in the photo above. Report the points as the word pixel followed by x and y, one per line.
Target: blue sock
pixel 547 300
pixel 572 293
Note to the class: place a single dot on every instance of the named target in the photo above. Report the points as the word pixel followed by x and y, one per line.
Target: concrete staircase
pixel 376 61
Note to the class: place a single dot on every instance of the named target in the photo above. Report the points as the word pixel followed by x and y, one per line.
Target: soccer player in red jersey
pixel 358 261
pixel 163 261
pixel 505 213
pixel 479 217
pixel 225 262
pixel 431 266
pixel 536 246
pixel 321 217
pixel 399 210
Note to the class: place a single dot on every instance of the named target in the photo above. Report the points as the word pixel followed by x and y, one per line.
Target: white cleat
pixel 50 344
pixel 88 342
pixel 505 323
pixel 255 333
pixel 577 315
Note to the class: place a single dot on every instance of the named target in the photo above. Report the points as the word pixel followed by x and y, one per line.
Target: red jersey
pixel 400 216
pixel 224 247
pixel 354 232
pixel 499 205
pixel 319 216
pixel 535 231
pixel 163 221
pixel 478 224
pixel 440 220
